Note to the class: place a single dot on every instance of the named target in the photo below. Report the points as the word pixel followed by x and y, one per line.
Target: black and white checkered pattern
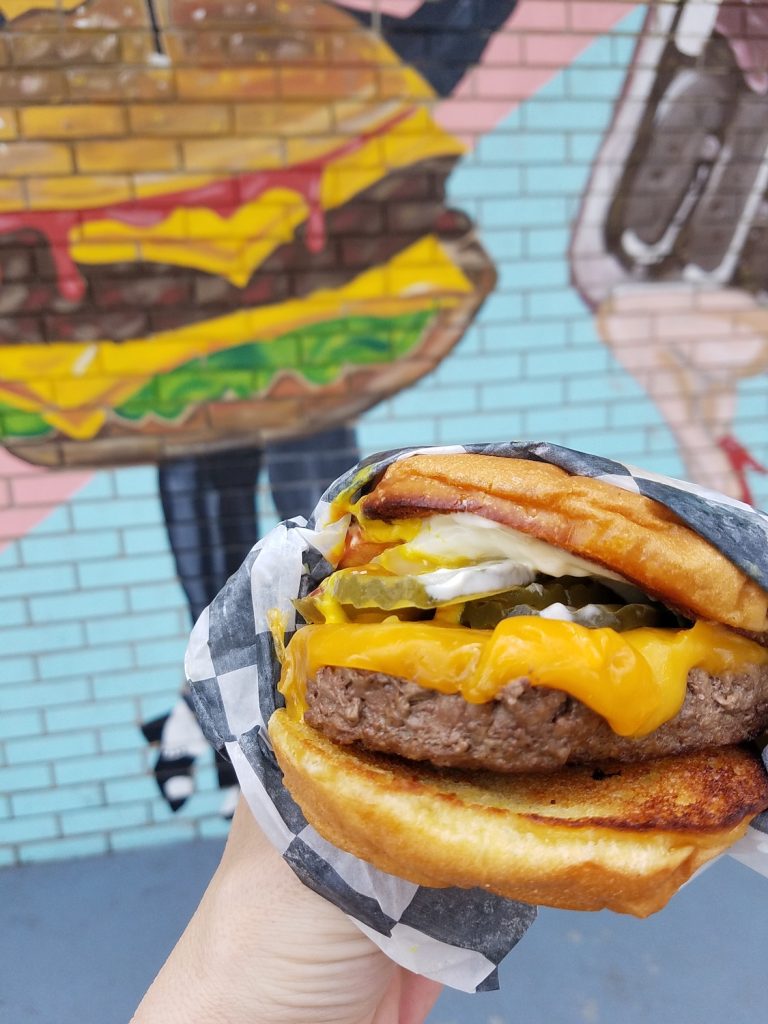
pixel 454 936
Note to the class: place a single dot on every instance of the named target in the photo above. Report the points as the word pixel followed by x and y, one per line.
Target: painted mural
pixel 195 296
pixel 243 242
pixel 670 245
pixel 217 305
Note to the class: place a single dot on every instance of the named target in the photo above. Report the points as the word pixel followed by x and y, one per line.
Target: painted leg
pixel 688 349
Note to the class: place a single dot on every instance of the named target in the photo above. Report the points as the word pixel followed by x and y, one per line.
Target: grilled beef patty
pixel 525 728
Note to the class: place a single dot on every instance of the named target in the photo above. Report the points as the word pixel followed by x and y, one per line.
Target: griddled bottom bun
pixel 621 837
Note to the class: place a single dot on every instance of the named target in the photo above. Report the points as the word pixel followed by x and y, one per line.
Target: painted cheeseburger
pixel 220 224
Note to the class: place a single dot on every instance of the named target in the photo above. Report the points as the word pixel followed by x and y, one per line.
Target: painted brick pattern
pixel 92 618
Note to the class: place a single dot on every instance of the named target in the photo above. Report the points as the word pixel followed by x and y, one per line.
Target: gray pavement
pixel 81 940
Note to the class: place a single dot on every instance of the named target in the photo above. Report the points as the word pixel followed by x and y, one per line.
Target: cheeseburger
pixel 221 224
pixel 529 681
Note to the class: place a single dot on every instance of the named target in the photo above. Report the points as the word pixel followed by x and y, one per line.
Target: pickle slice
pixel 588 602
pixel 359 593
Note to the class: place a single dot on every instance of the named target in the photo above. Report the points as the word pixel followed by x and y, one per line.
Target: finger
pixel 417 997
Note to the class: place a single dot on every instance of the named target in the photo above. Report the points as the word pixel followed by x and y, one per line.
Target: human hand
pixel 264 949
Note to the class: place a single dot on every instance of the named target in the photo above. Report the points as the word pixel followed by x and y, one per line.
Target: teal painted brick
pixel 554 304
pixel 503 245
pixel 485 179
pixel 402 433
pixel 62 798
pixel 142 540
pixel 625 445
pixel 500 309
pixel 132 628
pixel 206 779
pixel 507 148
pixel 13 612
pixel 555 181
pixel 139 682
pixel 38 695
pixel 93 515
pixel 599 53
pixel 622 39
pixel 17 670
pixel 753 404
pixel 419 400
pixel 628 413
pixel 576 363
pixel 93 714
pixel 583 147
pixel 125 571
pixel 152 706
pixel 49 579
pixel 532 274
pixel 50 748
pixel 213 828
pixel 165 652
pixel 139 787
pixel 571 418
pixel 202 804
pixel 524 394
pixel 71 547
pixel 478 369
pixel 670 464
pixel 98 768
pixel 532 336
pixel 546 364
pixel 160 595
pixel 481 427
pixel 9 559
pixel 22 830
pixel 592 83
pixel 595 387
pixel 8 857
pixel 20 723
pixel 58 521
pixel 63 849
pixel 32 639
pixel 582 331
pixel 524 212
pixel 572 115
pixel 99 488
pixel 136 482
pixel 152 835
pixel 86 660
pixel 545 242
pixel 103 819
pixel 85 604
pixel 122 737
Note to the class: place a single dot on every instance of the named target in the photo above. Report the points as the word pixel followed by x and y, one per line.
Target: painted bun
pixel 200 297
pixel 567 808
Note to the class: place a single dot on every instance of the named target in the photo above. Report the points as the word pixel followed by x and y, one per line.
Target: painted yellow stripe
pixel 234 246
pixel 90 378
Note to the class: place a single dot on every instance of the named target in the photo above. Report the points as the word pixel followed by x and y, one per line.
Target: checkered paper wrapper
pixel 455 936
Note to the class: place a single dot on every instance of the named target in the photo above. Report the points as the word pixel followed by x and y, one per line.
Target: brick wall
pixel 93 617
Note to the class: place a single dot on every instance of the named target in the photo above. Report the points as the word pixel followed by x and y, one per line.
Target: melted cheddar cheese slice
pixel 636 680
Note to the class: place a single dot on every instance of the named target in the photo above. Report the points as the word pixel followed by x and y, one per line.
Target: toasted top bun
pixel 634 536
pixel 624 838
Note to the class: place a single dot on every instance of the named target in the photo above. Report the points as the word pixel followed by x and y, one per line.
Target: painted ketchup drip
pixel 223 197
